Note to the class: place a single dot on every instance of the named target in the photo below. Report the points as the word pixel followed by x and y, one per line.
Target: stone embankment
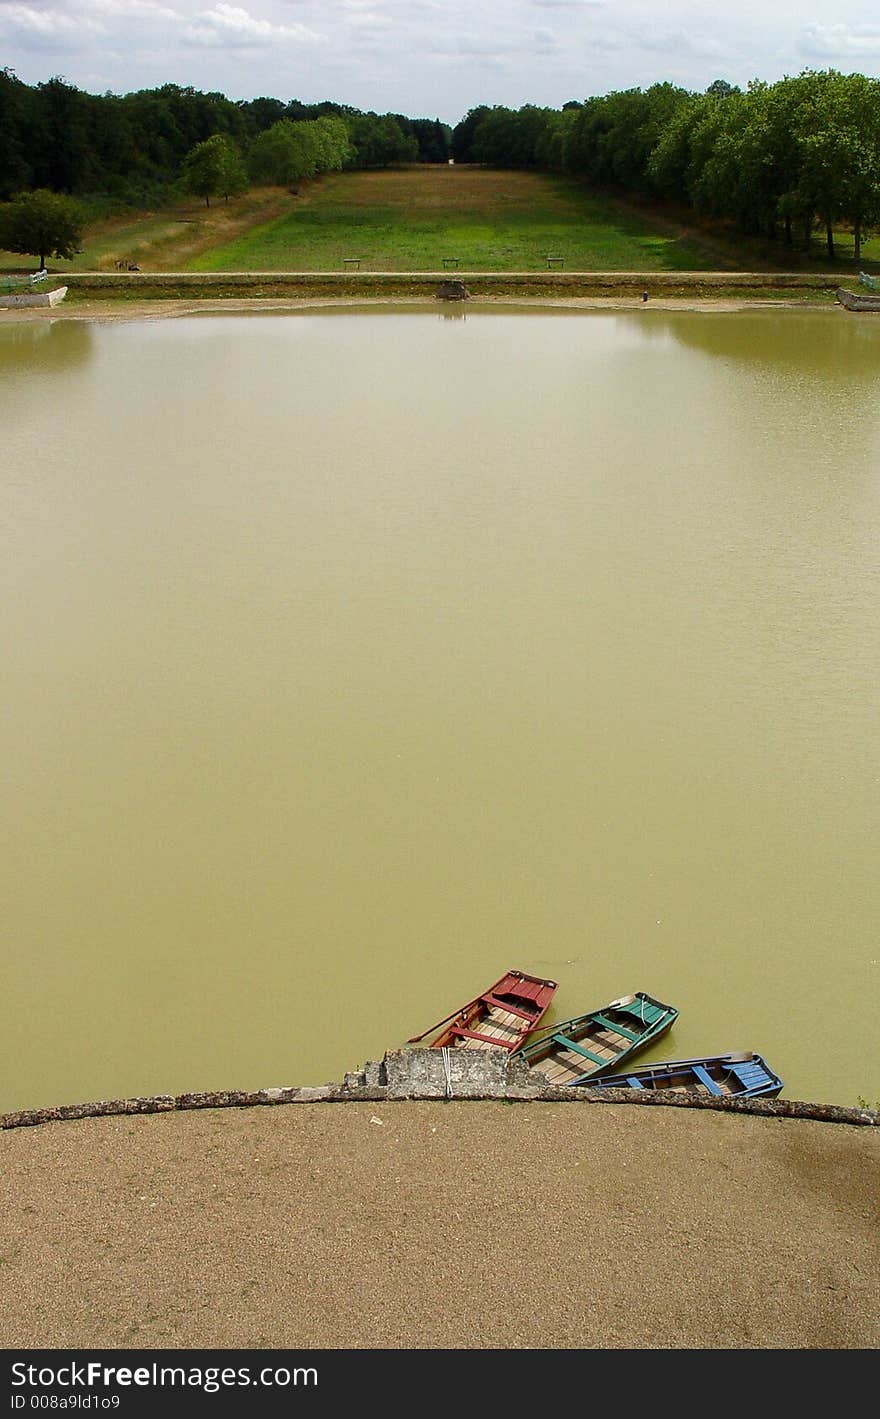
pixel 144 285
pixel 433 1074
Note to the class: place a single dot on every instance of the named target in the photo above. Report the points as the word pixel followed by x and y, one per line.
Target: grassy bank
pixel 416 219
pixel 413 219
pixel 165 240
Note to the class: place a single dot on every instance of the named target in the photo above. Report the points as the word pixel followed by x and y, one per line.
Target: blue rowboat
pixel 744 1076
pixel 597 1043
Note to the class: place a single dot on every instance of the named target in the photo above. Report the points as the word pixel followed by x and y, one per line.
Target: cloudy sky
pixel 431 57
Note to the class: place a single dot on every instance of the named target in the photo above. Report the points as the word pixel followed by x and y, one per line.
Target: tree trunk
pixel 207 200
pixel 788 231
pixel 808 233
pixel 829 237
pixel 857 240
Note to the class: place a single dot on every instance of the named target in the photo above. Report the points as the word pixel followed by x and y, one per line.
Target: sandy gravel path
pixel 448 1224
pixel 161 308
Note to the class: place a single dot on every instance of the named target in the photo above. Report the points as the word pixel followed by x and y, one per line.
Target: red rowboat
pixel 501 1018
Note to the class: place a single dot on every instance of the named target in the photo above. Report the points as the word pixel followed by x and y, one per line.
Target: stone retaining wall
pixel 194 284
pixel 433 1074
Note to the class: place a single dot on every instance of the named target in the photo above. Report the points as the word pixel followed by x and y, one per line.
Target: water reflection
pixel 44 346
pixel 817 343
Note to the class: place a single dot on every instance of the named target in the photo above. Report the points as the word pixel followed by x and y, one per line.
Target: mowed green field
pixel 412 218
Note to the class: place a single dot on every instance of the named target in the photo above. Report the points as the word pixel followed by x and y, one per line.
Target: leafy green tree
pixel 262 113
pixel 15 167
pixel 379 141
pixel 510 139
pixel 552 149
pixel 839 138
pixel 291 150
pixel 673 166
pixel 271 158
pixel 233 175
pixel 464 133
pixel 707 150
pixel 721 89
pixel 735 178
pixel 432 137
pixel 41 223
pixel 331 147
pixel 283 153
pixel 213 168
pixel 613 137
pixel 772 156
pixel 63 158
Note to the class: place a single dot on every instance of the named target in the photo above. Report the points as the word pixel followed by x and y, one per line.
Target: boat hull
pixel 598 1042
pixel 503 1017
pixel 743 1076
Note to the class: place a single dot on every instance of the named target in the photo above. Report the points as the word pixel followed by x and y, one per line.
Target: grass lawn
pixel 166 240
pixel 410 219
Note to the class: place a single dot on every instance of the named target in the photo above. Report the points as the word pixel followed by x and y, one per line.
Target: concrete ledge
pixel 193 284
pixel 459 1074
pixel 433 1074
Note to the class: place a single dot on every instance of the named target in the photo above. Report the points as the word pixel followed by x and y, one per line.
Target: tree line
pixel 134 147
pixel 775 159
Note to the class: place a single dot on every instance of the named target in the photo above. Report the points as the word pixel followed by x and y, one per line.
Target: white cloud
pixel 129 9
pixel 81 23
pixel 230 27
pixel 416 56
pixel 369 20
pixel 842 41
pixel 679 42
pixel 32 23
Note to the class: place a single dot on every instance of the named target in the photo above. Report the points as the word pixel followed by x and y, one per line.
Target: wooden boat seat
pixel 506 1005
pixel 615 1029
pixel 493 1040
pixel 578 1049
pixel 706 1080
pixel 749 1075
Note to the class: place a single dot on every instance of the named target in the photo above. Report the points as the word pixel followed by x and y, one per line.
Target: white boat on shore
pixel 14 300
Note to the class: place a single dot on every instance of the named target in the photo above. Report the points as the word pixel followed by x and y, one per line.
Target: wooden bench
pixel 450 263
pixel 555 261
pixel 354 261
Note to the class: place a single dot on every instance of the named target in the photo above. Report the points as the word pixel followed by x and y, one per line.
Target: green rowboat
pixel 600 1041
